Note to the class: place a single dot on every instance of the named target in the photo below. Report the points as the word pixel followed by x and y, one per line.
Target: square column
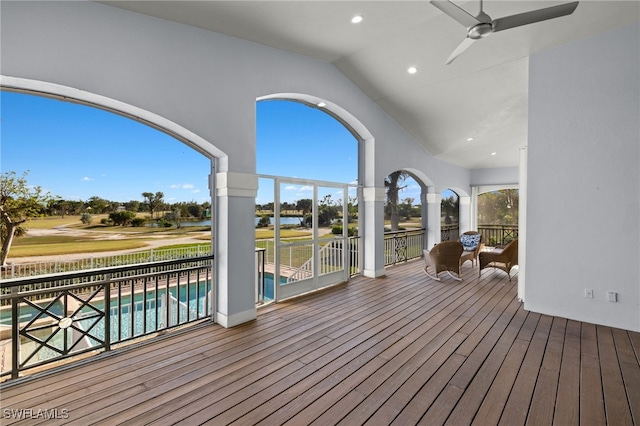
pixel 434 203
pixel 234 243
pixel 373 235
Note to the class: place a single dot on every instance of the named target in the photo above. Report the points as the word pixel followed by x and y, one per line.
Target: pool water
pixel 268 285
pixel 143 313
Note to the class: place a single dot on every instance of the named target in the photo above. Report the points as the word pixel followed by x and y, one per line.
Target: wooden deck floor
pixel 399 350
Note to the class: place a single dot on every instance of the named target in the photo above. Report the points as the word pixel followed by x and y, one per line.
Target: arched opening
pixel 404 217
pixel 92 141
pixel 307 202
pixel 450 215
pixel 106 172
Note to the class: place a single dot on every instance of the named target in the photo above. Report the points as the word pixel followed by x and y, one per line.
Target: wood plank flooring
pixel 400 350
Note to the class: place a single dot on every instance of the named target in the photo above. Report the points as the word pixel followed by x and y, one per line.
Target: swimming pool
pixel 268 285
pixel 128 318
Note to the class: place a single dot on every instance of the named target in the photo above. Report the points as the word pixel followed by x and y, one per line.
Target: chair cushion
pixel 470 241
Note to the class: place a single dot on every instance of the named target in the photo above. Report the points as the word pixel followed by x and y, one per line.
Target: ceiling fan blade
pixel 456 13
pixel 533 16
pixel 461 48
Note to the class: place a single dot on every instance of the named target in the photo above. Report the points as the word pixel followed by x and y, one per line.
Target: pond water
pixel 283 221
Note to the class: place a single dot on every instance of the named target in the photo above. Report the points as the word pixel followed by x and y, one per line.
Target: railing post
pixel 107 313
pixel 15 337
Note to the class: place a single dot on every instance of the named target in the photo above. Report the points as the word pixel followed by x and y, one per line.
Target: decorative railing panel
pixel 449 232
pixel 498 235
pixel 403 245
pixel 53 317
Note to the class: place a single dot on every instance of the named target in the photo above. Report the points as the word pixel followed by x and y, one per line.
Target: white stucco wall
pixel 497 176
pixel 207 83
pixel 583 215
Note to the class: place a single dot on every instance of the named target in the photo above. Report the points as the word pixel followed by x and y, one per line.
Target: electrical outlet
pixel 612 296
pixel 588 293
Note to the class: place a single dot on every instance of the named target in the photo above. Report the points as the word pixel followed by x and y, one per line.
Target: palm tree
pixel 392 184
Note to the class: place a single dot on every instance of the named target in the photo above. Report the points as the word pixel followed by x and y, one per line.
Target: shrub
pixel 138 222
pixel 337 230
pixel 86 218
pixel 265 220
pixel 122 218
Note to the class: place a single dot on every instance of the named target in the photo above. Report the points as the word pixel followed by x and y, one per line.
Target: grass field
pixel 49 246
pixel 99 238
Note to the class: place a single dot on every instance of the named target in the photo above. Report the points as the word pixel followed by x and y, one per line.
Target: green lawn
pixel 98 241
pixel 53 245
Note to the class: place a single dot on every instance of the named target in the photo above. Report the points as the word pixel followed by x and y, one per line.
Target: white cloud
pixel 306 188
pixel 290 188
pixel 181 186
pixel 86 179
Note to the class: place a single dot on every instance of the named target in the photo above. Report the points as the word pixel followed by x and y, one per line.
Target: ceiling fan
pixel 481 25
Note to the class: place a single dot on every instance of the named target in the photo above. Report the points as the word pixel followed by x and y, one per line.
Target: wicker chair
pixel 444 257
pixel 504 259
pixel 471 237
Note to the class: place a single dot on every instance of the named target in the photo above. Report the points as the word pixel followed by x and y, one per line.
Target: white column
pixel 464 223
pixel 473 224
pixel 234 241
pixel 373 234
pixel 434 204
pixel 522 223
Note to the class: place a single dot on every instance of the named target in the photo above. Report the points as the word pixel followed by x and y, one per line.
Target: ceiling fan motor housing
pixel 480 31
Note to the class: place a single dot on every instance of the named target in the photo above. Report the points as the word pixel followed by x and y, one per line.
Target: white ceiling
pixel 482 94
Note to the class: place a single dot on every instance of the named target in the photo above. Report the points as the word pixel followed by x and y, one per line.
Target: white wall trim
pixel 373 194
pixel 236 319
pixel 237 184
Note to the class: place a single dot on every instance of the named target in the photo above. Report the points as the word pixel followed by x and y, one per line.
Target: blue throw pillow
pixel 470 242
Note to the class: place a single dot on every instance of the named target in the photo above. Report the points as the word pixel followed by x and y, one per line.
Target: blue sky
pixel 76 152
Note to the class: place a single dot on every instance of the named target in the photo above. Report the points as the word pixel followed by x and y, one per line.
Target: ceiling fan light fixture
pixel 357 19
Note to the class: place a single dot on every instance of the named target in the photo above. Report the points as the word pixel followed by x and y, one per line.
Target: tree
pixel 327 211
pixel 18 203
pixel 86 218
pixel 153 201
pixel 174 216
pixel 132 206
pixel 195 210
pixel 498 207
pixel 305 205
pixel 450 206
pixel 352 209
pixel 122 218
pixel 405 209
pixel 392 184
pixel 98 205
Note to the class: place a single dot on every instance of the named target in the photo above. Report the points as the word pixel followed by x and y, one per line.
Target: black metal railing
pixel 400 246
pixel 449 232
pixel 498 235
pixel 54 317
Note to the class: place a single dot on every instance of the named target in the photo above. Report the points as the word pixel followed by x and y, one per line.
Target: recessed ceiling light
pixel 412 70
pixel 321 104
pixel 493 153
pixel 469 139
pixel 357 19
